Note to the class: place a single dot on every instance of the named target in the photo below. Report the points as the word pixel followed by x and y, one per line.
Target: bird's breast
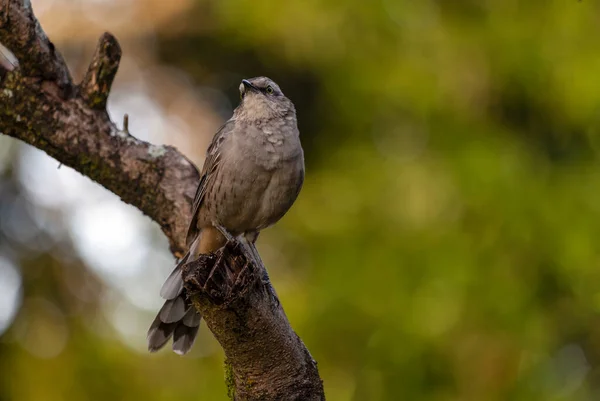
pixel 259 194
pixel 270 149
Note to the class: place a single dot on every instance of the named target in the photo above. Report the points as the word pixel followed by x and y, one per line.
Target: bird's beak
pixel 248 85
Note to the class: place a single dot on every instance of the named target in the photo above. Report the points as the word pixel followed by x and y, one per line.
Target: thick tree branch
pixel 40 105
pixel 242 311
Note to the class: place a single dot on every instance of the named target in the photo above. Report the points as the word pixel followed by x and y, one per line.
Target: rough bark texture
pixel 242 311
pixel 40 105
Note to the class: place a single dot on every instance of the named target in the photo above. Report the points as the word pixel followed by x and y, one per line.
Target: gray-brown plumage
pixel 252 174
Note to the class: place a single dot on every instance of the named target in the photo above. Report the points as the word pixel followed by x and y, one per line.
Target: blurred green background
pixel 442 248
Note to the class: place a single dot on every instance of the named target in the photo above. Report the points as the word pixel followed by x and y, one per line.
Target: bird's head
pixel 262 99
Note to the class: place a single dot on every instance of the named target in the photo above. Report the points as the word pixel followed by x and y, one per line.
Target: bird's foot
pixel 252 256
pixel 225 233
pixel 247 250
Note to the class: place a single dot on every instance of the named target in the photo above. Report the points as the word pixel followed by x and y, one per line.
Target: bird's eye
pixel 270 90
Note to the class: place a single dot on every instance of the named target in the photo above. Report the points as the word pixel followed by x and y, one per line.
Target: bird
pixel 252 174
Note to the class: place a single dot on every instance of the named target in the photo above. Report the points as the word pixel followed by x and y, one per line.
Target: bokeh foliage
pixel 444 245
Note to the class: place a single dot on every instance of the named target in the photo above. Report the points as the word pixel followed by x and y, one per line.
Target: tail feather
pixel 183 331
pixel 159 333
pixel 173 285
pixel 177 318
pixel 173 310
pixel 186 331
pixel 192 317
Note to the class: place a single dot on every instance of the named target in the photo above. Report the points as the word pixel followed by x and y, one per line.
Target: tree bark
pixel 266 360
pixel 40 105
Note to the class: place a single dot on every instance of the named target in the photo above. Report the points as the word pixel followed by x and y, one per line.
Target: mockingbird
pixel 252 174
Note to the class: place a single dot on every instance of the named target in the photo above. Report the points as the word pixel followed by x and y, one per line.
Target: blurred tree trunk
pixel 40 105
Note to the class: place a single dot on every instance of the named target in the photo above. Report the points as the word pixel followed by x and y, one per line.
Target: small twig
pixel 126 123
pixel 95 87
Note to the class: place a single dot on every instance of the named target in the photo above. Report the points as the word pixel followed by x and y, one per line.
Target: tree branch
pixel 96 84
pixel 267 360
pixel 40 105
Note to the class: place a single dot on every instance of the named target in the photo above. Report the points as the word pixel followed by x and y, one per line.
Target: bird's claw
pixel 225 233
pixel 251 253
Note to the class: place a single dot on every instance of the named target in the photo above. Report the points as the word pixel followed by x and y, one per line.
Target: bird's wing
pixel 209 169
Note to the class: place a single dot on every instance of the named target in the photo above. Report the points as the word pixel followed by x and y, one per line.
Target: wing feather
pixel 208 174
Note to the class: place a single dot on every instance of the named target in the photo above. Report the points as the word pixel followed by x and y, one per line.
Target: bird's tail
pixel 177 318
